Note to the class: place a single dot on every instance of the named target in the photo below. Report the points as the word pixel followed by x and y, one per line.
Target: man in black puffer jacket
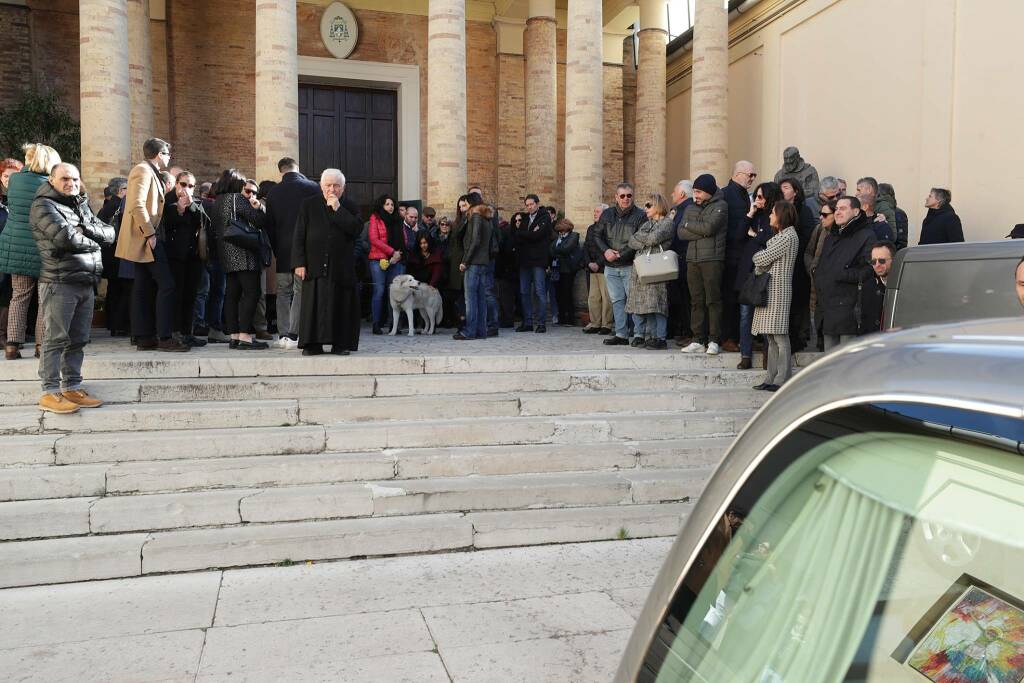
pixel 69 238
pixel 842 269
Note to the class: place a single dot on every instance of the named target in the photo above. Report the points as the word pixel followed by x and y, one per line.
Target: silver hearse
pixel 867 525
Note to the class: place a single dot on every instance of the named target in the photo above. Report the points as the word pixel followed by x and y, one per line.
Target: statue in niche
pixel 794 166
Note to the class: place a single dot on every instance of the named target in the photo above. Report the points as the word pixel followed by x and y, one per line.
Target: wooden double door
pixel 355 130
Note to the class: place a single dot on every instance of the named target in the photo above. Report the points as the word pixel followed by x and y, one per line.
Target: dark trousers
pixel 118 304
pixel 506 291
pixel 153 297
pixel 730 304
pixel 243 291
pixel 679 307
pixel 563 295
pixel 705 282
pixel 187 275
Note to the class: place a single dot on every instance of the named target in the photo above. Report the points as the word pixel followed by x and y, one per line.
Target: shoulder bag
pixel 754 291
pixel 241 233
pixel 660 266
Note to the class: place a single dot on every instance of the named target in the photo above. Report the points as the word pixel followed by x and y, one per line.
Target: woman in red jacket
pixel 386 260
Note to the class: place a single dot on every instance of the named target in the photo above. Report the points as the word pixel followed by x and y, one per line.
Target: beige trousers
pixel 599 303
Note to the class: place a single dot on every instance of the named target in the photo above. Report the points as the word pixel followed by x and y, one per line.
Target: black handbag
pixel 241 233
pixel 754 291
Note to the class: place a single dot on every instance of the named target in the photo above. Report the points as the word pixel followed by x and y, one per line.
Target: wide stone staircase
pixel 225 459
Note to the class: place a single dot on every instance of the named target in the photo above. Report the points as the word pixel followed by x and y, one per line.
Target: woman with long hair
pixel 758 234
pixel 811 255
pixel 793 192
pixel 386 260
pixel 777 259
pixel 456 252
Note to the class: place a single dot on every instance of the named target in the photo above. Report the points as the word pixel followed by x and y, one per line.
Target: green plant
pixel 623 534
pixel 39 117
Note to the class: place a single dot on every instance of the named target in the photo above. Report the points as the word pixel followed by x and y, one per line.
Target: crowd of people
pixel 786 264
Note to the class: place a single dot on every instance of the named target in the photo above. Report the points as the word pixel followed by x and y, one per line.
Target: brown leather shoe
pixel 146 344
pixel 744 364
pixel 263 335
pixel 172 345
pixel 56 403
pixel 729 346
pixel 38 349
pixel 81 398
pixel 11 352
pixel 683 342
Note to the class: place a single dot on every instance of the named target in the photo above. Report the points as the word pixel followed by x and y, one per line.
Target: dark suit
pixel 283 202
pixel 736 238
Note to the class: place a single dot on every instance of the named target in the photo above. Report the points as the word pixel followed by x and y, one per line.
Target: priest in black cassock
pixel 323 256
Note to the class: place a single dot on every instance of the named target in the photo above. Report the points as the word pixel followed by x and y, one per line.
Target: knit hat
pixel 705 182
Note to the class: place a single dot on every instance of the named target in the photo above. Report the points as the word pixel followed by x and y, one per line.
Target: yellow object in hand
pixel 384 263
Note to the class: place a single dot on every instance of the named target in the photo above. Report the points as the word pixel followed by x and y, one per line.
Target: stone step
pixel 263 471
pixel 86 558
pixel 211 363
pixel 223 507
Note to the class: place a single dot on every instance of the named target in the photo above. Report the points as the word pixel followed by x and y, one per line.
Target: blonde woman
pixel 648 304
pixel 19 255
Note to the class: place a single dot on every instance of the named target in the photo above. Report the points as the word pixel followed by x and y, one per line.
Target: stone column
pixel 446 116
pixel 106 104
pixel 709 106
pixel 140 75
pixel 651 137
pixel 277 86
pixel 541 99
pixel 584 111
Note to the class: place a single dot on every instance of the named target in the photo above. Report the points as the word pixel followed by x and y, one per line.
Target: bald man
pixel 737 196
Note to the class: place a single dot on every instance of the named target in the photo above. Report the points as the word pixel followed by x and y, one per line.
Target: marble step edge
pixel 30 563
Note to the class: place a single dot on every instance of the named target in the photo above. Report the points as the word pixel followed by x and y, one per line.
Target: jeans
pixel 534 280
pixel 289 303
pixel 68 311
pixel 650 325
pixel 492 300
pixel 155 275
pixel 202 295
pixel 213 313
pixel 475 288
pixel 617 280
pixel 704 279
pixel 780 359
pixel 381 280
pixel 746 338
pixel 553 297
pixel 834 340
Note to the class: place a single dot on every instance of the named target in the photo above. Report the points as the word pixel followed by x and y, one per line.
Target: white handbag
pixel 660 266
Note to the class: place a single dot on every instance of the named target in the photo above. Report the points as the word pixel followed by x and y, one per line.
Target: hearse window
pixel 955 290
pixel 871 545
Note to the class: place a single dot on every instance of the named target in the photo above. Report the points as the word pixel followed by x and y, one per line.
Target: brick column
pixel 709 107
pixel 140 74
pixel 277 86
pixel 106 104
pixel 651 138
pixel 511 115
pixel 584 111
pixel 541 99
pixel 446 115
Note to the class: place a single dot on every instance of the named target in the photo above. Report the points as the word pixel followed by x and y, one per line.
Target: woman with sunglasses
pixel 183 220
pixel 777 260
pixel 758 233
pixel 648 304
pixel 793 192
pixel 827 222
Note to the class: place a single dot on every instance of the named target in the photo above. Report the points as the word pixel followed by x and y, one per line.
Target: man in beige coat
pixel 137 242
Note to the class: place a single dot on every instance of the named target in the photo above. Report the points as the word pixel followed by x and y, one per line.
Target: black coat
pixel 843 266
pixel 591 252
pixel 568 254
pixel 180 232
pixel 68 236
pixel 745 266
pixel 941 226
pixel 872 296
pixel 533 243
pixel 283 203
pixel 736 234
pixel 324 241
pixel 614 229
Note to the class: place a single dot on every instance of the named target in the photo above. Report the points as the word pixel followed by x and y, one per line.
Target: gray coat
pixel 777 259
pixel 652 298
pixel 705 226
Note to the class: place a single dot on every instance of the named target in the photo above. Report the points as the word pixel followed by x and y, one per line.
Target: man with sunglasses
pixel 872 292
pixel 616 225
pixel 183 220
pixel 737 196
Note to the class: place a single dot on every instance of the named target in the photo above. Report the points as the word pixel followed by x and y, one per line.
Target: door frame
pixel 404 78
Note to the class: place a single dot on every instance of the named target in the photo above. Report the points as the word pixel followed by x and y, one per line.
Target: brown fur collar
pixel 483 210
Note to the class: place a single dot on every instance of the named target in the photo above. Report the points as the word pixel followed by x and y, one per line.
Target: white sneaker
pixel 280 343
pixel 694 347
pixel 290 344
pixel 713 349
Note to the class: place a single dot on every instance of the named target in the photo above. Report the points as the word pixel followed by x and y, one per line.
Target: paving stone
pixel 482 383
pixel 313 649
pixel 44 518
pixel 60 560
pixel 299 541
pixel 604 402
pixel 161 416
pixel 440 433
pixel 111 391
pixel 678 425
pixel 27 450
pixel 253 472
pixel 454 462
pixel 509 621
pixel 474 364
pixel 171 657
pixel 221 389
pixel 680 453
pixel 20 420
pixel 47 615
pixel 631 600
pixel 166 511
pixel 660 486
pixel 572 525
pixel 307 502
pixel 280 365
pixel 177 444
pixel 48 481
pixel 575 659
pixel 329 411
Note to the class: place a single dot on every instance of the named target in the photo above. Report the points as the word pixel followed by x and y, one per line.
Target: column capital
pixel 509 33
pixel 611 47
pixel 542 8
pixel 654 15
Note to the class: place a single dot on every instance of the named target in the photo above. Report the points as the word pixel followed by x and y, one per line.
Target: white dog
pixel 409 294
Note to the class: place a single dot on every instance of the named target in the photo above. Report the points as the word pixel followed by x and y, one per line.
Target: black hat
pixel 1018 232
pixel 705 182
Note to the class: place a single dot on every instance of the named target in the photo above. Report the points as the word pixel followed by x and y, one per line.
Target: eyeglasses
pixel 881 261
pixel 825 214
pixel 750 175
pixel 190 185
pixel 648 205
pixel 165 153
pixel 759 196
pixel 625 196
pixel 248 193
